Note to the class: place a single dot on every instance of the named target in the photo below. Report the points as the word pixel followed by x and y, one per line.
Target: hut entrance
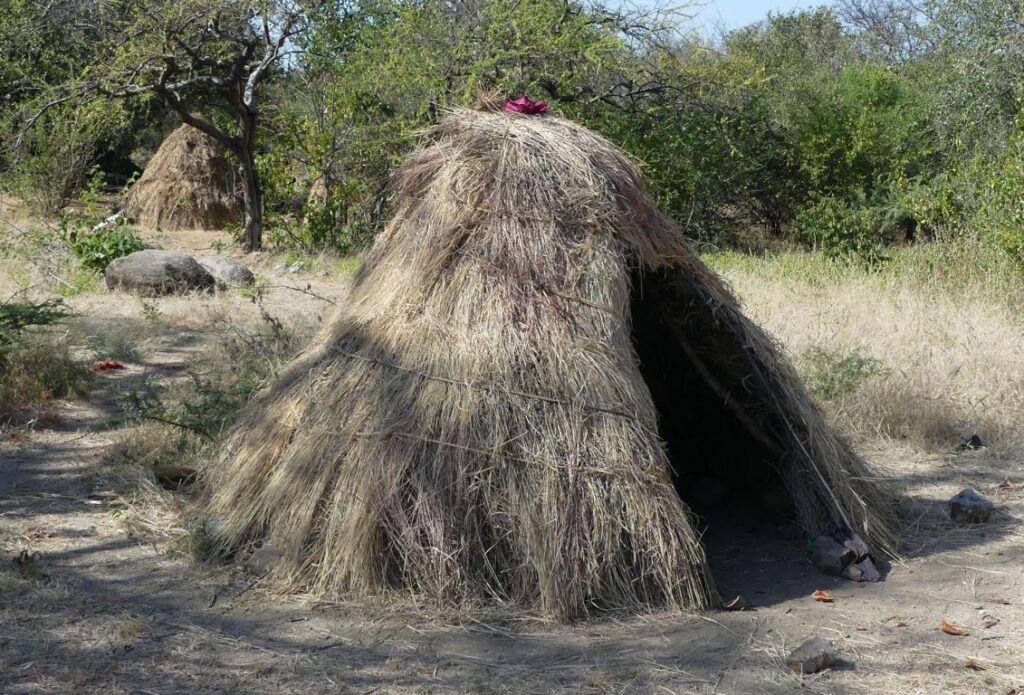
pixel 722 465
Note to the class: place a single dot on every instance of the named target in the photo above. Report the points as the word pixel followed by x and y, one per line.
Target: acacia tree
pixel 196 56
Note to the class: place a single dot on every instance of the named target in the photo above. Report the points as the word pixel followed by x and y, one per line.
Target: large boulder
pixel 228 271
pixel 152 273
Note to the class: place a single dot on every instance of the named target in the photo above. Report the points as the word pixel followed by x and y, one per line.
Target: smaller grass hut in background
pixel 188 184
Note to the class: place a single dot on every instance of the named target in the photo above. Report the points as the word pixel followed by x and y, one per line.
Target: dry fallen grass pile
pixel 188 184
pixel 473 423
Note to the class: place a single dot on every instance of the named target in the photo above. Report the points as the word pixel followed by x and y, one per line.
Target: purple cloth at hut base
pixel 862 569
pixel 526 105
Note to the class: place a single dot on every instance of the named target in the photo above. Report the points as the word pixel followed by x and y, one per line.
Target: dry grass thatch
pixel 475 421
pixel 188 184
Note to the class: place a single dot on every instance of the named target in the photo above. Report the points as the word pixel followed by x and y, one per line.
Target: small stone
pixel 852 572
pixel 968 507
pixel 812 656
pixel 227 270
pixel 153 272
pixel 264 558
pixel 830 556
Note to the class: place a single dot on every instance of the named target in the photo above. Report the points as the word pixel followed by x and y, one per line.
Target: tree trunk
pixel 252 238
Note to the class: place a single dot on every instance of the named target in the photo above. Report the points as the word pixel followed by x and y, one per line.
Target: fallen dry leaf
pixel 1000 601
pixel 899 623
pixel 823 596
pixel 974 665
pixel 737 604
pixel 989 621
pixel 1007 485
pixel 952 628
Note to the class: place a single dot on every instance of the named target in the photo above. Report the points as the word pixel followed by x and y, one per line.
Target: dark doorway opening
pixel 721 464
pixel 727 458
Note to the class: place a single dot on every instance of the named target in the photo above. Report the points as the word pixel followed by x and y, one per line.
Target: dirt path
pixel 88 607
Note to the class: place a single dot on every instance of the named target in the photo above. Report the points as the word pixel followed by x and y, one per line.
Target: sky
pixel 732 14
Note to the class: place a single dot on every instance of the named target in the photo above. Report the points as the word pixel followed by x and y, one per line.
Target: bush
pixel 1000 213
pixel 16 318
pixel 35 365
pixel 58 155
pixel 854 230
pixel 97 249
pixel 833 373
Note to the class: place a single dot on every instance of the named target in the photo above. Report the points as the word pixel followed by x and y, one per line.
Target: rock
pixel 264 558
pixel 227 270
pixel 863 570
pixel 853 572
pixel 830 556
pixel 973 443
pixel 968 507
pixel 812 656
pixel 152 273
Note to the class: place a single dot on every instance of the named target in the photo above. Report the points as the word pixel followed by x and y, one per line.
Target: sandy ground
pixel 86 606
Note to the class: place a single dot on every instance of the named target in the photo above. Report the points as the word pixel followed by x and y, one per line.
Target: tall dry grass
pixel 942 324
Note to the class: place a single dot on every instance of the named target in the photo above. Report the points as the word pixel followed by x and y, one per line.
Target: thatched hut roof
pixel 188 184
pixel 519 394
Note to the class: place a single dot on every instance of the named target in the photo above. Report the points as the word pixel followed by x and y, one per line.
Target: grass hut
pixel 188 184
pixel 528 378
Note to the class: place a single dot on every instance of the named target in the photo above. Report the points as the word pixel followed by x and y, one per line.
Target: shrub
pixel 834 373
pixel 16 318
pixel 35 365
pixel 97 249
pixel 856 230
pixel 1000 214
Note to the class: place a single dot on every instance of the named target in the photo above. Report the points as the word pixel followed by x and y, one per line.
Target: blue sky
pixel 732 14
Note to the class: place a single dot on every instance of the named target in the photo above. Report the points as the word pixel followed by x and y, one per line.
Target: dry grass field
pixel 100 591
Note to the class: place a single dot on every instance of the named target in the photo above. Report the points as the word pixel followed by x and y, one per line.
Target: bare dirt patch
pixel 90 603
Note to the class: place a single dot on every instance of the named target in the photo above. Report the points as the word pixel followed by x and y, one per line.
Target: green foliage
pixel 348 266
pixel 150 310
pixel 35 365
pixel 97 249
pixel 16 318
pixel 58 154
pixel 803 129
pixel 856 231
pixel 834 373
pixel 999 218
